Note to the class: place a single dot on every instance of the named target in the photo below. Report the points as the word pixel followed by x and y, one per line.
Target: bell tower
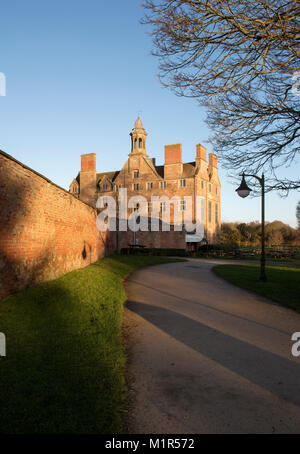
pixel 138 138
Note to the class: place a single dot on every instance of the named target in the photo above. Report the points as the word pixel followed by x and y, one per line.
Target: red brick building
pixel 141 176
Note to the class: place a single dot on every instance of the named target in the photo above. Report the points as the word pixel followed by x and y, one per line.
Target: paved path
pixel 208 357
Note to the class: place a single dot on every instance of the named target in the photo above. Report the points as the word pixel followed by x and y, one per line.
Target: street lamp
pixel 243 191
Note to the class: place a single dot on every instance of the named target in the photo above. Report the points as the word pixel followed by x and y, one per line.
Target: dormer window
pixel 163 185
pixel 183 183
pixel 149 186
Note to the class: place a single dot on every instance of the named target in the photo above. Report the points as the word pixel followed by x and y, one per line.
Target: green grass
pixel 282 286
pixel 64 367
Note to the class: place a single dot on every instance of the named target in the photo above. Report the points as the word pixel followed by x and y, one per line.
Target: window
pixel 182 205
pixel 202 184
pixel 135 143
pixel 105 186
pixel 163 185
pixel 118 187
pixel 140 143
pixel 209 211
pixel 216 214
pixel 136 187
pixel 150 186
pixel 209 187
pixel 182 183
pixel 163 206
pixel 216 190
pixel 202 211
pixel 136 174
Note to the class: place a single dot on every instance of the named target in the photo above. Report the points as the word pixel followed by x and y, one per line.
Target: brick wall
pixel 167 240
pixel 44 231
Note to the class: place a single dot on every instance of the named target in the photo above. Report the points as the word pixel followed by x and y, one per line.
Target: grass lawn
pixel 64 369
pixel 283 285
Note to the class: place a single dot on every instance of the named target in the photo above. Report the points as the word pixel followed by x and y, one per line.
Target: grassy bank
pixel 283 285
pixel 63 372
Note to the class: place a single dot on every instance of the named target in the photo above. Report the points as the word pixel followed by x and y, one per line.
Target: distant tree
pixel 239 58
pixel 273 236
pixel 241 234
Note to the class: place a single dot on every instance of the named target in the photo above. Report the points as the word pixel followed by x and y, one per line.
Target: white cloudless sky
pixel 77 74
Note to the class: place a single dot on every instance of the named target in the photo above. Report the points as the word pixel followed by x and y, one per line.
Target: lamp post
pixel 243 191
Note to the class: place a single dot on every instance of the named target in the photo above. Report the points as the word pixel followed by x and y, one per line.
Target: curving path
pixel 208 357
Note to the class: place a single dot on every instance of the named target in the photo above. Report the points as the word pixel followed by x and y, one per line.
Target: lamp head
pixel 243 190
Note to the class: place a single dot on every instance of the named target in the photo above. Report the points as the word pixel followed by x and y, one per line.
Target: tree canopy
pixel 239 58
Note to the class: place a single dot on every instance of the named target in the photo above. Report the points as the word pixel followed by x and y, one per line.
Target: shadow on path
pixel 268 370
pixel 212 308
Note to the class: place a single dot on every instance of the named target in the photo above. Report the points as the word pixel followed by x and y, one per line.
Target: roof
pixel 138 125
pixel 111 175
pixel 187 171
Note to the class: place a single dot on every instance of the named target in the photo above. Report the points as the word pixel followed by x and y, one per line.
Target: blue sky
pixel 77 74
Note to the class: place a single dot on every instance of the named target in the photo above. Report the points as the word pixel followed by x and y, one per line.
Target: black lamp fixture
pixel 243 191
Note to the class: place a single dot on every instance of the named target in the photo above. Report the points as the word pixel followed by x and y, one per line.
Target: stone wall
pixel 44 230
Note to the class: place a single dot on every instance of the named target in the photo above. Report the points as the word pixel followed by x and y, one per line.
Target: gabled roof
pixel 188 169
pixel 111 175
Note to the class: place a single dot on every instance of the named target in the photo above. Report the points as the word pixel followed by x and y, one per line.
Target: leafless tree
pixel 298 214
pixel 239 59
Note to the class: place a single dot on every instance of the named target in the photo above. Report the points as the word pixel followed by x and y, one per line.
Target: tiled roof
pixel 188 169
pixel 111 175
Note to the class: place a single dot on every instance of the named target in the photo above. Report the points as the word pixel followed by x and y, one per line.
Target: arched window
pixel 140 143
pixel 135 143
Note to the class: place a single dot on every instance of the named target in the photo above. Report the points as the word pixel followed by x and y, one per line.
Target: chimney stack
pixel 88 178
pixel 213 160
pixel 173 153
pixel 88 162
pixel 173 161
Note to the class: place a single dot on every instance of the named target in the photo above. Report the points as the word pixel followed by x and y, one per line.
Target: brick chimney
pixel 173 161
pixel 88 162
pixel 88 178
pixel 213 167
pixel 201 157
pixel 213 160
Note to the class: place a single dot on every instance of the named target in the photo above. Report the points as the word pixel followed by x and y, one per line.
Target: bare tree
pixel 239 59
